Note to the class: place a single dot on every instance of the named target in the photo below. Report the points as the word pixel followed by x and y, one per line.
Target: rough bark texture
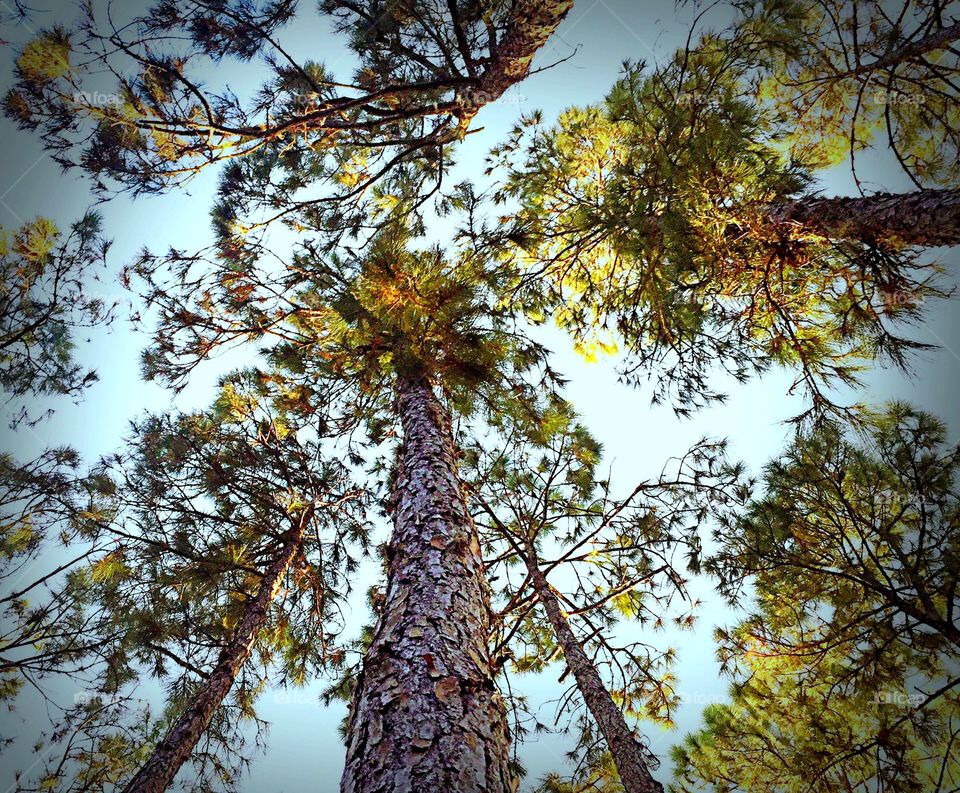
pixel 530 25
pixel 157 774
pixel 627 753
pixel 426 716
pixel 925 218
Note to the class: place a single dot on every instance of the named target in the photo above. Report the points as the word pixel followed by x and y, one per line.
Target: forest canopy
pixel 387 296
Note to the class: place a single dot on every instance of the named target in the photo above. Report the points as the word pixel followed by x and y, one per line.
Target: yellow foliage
pixel 108 568
pixel 165 145
pixel 45 58
pixel 591 349
pixel 353 172
pixel 16 538
pixel 36 240
pixel 233 404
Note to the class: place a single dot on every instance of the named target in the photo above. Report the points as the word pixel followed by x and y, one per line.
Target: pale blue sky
pixel 304 748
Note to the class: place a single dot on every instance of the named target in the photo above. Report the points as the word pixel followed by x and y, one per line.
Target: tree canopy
pixel 398 428
pixel 669 221
pixel 845 672
pixel 45 300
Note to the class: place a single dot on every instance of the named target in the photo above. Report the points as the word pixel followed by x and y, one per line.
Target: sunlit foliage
pixel 650 223
pixel 845 673
pixel 854 75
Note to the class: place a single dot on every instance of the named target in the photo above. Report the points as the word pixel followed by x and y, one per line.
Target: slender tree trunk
pixel 529 26
pixel 157 774
pixel 426 716
pixel 914 50
pixel 626 751
pixel 924 218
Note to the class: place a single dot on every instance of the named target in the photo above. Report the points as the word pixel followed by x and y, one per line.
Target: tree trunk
pixel 529 26
pixel 627 753
pixel 925 218
pixel 426 716
pixel 914 50
pixel 157 774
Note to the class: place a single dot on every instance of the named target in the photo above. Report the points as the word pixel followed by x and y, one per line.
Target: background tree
pixel 848 76
pixel 427 67
pixel 598 775
pixel 669 221
pixel 46 295
pixel 234 537
pixel 50 618
pixel 542 507
pixel 57 632
pixel 845 674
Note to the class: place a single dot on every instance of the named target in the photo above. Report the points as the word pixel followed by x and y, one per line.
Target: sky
pixel 305 752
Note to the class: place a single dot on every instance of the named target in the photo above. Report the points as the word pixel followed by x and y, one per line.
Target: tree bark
pixel 913 50
pixel 426 716
pixel 627 753
pixel 925 218
pixel 529 26
pixel 158 772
